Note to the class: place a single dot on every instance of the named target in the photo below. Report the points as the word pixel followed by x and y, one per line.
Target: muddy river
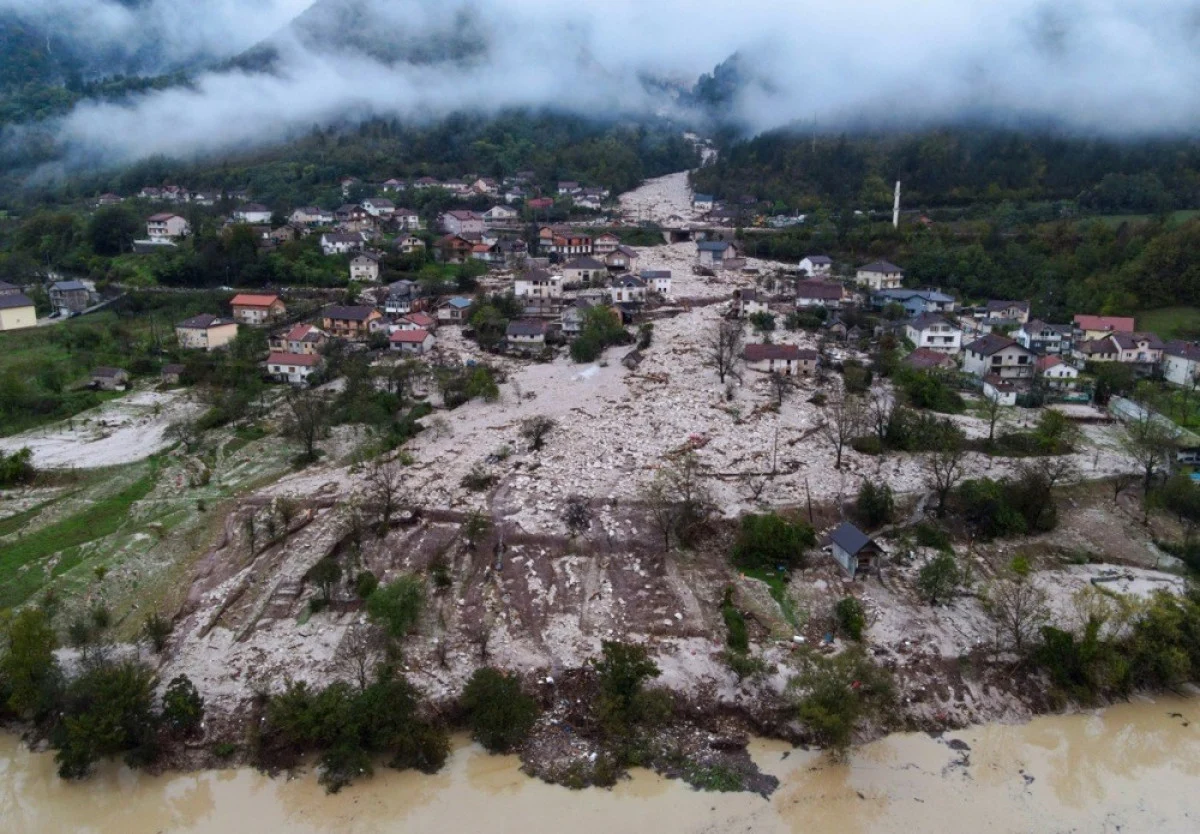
pixel 1131 768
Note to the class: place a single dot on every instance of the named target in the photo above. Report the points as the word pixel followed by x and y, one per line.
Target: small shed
pixel 110 379
pixel 171 373
pixel 853 549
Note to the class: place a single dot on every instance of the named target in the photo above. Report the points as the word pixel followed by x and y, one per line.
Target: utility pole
pixel 896 208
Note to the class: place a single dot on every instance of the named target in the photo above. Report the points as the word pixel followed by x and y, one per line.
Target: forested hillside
pixel 955 167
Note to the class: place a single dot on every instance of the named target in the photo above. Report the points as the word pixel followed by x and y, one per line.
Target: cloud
pixel 1098 66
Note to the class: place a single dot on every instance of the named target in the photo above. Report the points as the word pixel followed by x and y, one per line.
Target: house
pixel 702 202
pixel 302 338
pixel 1181 362
pixel 454 310
pixel 1138 348
pixel 571 243
pixel 1055 373
pixel 854 550
pixel 411 341
pixel 750 302
pixel 526 333
pixel 347 183
pixel 574 314
pixel 417 321
pixel 167 227
pixel 69 297
pixel 406 219
pixel 458 188
pixel 17 312
pixel 341 243
pixel 454 249
pixel 1054 339
pixel 278 237
pixel 658 280
pixel 257 309
pixel 1009 311
pixel 816 265
pixel 461 221
pixel 309 216
pixel 426 182
pixel 410 244
pixel 585 270
pixel 1000 390
pixel 515 194
pixel 925 359
pixel 252 213
pixel 718 254
pixel 485 186
pixel 352 323
pixel 929 330
pixel 1095 350
pixel 605 243
pixel 539 203
pixel 378 207
pixel 295 368
pixel 172 373
pixel 628 289
pixel 622 259
pixel 880 275
pixel 110 379
pixel 365 266
pixel 538 283
pixel 788 360
pixel 1101 327
pixel 9 289
pixel 351 214
pixel 108 199
pixel 998 355
pixel 393 184
pixel 568 187
pixel 499 215
pixel 400 298
pixel 205 332
pixel 914 302
pixel 820 294
pixel 205 198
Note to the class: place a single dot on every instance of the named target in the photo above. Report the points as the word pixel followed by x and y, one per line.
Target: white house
pixel 410 244
pixel 538 283
pixel 295 368
pixel 929 330
pixel 820 294
pixel 365 266
pixel 252 213
pixel 702 202
pixel 454 309
pixel 880 275
pixel 998 355
pixel 311 216
pixel 628 289
pixel 853 549
pixel 1000 390
pixel 1181 362
pixel 749 302
pixel 1138 348
pixel 411 341
pixel 584 270
pixel 1055 373
pixel 526 333
pixel 658 279
pixel 623 258
pixel 407 219
pixel 718 254
pixel 341 243
pixel 499 214
pixel 167 227
pixel 816 265
pixel 788 360
pixel 605 243
pixel 462 222
pixel 378 207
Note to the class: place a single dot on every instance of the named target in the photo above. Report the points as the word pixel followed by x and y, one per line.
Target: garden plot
pixel 121 431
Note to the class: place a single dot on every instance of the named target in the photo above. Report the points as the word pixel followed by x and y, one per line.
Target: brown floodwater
pixel 1131 768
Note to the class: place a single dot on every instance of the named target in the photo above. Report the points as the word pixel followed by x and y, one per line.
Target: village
pixel 777 384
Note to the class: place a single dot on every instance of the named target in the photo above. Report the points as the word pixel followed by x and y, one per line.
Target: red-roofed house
pixel 302 338
pixel 1055 373
pixel 295 368
pixel 788 360
pixel 412 341
pixel 418 321
pixel 1101 327
pixel 257 309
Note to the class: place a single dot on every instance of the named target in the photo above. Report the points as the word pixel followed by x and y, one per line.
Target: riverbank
pixel 1129 768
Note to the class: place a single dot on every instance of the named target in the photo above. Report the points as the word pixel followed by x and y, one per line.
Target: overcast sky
pixel 1097 66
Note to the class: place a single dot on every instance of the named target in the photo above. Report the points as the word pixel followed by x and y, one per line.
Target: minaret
pixel 896 208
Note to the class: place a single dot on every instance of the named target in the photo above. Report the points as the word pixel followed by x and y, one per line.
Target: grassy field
pixel 1171 322
pixel 1118 219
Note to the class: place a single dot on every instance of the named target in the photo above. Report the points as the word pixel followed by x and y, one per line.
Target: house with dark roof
pixel 702 202
pixel 352 323
pixel 854 550
pixel 925 359
pixel 914 302
pixel 341 243
pixel 300 338
pixel 880 275
pixel 621 259
pixel 585 270
pixel 379 207
pixel 750 301
pixel 526 334
pixel 1144 349
pixel 935 332
pixel 1094 350
pixel 252 213
pixel 205 332
pixel 70 296
pixel 461 221
pixel 828 294
pixel 17 311
pixel 998 355
pixel 657 279
pixel 172 372
pixel 628 289
pixel 9 289
pixel 788 360
pixel 165 227
pixel 816 265
pixel 1005 310
pixel 1043 338
pixel 110 379
pixel 1181 363
pixel 719 254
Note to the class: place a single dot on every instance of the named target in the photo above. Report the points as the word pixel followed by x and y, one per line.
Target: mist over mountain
pixel 261 71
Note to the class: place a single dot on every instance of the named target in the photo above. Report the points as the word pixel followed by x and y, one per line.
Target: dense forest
pixel 800 171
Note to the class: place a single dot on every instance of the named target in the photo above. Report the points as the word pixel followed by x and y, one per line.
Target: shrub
pixel 769 541
pixel 930 535
pixel 478 479
pixel 851 617
pixel 106 711
pixel 939 578
pixel 365 584
pixel 156 629
pixel 744 665
pixel 397 606
pixel 182 706
pixel 839 692
pixel 624 701
pixel 738 637
pixel 16 469
pixel 867 445
pixel 930 391
pixel 499 713
pixel 875 504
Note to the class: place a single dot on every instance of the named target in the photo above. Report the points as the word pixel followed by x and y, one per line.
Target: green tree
pixel 875 503
pixel 839 693
pixel 939 578
pixel 624 670
pixel 325 574
pixel 106 711
pixel 770 541
pixel 112 230
pixel 499 712
pixel 182 706
pixel 397 606
pixel 29 671
pixel 851 617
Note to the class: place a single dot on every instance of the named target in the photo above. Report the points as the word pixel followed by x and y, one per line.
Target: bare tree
pixel 307 420
pixel 360 651
pixel 475 528
pixel 724 348
pixel 1019 607
pixel 879 413
pixel 844 420
pixel 991 408
pixel 678 500
pixel 577 515
pixel 945 468
pixel 781 387
pixel 755 484
pixel 534 430
pixel 1150 443
pixel 385 493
